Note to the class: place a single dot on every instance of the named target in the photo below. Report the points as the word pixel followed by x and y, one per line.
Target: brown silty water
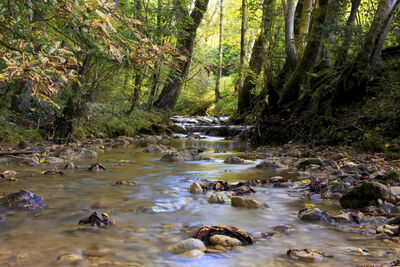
pixel 160 211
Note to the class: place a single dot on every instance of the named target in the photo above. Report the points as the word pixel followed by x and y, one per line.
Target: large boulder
pixel 365 195
pixel 22 200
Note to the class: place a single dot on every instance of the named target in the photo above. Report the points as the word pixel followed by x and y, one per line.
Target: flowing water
pixel 160 211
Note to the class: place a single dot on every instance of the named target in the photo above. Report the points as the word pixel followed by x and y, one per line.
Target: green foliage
pixel 115 121
pixel 12 133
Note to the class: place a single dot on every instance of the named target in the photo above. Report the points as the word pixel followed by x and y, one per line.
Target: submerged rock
pixel 244 202
pixel 191 154
pixel 96 167
pixel 157 148
pixel 270 164
pixel 187 246
pixel 24 160
pixel 123 182
pixel 69 258
pixel 8 174
pixel 206 232
pixel 225 241
pixel 233 160
pixel 95 219
pixel 307 255
pixel 365 195
pixel 22 200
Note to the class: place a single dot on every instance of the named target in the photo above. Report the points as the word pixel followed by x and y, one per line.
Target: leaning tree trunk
pixel 185 43
pixel 220 50
pixel 296 80
pixel 256 61
pixel 344 50
pixel 289 10
pixel 354 77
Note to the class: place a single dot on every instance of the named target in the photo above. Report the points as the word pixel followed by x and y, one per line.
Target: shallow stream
pixel 160 211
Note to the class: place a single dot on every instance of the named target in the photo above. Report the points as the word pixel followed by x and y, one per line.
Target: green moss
pixel 371 142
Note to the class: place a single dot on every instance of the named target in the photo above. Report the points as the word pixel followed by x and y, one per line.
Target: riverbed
pixel 159 211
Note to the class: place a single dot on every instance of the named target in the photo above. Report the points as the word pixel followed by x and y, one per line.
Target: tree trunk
pixel 342 55
pixel 239 84
pixel 323 59
pixel 355 76
pixel 220 49
pixel 185 42
pixel 296 80
pixel 256 60
pixel 289 9
pixel 305 23
pixel 65 125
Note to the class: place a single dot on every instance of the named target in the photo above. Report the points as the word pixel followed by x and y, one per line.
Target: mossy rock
pixel 365 195
pixel 392 175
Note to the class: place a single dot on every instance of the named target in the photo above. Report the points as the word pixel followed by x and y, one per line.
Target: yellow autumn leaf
pixel 309 206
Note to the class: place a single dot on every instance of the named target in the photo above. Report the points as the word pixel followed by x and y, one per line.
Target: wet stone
pixel 196 188
pixel 194 253
pixel 219 198
pixel 186 246
pixel 306 255
pixel 233 160
pixel 69 258
pixel 22 200
pixel 123 182
pixel 365 195
pixel 225 241
pixel 244 202
pixel 269 164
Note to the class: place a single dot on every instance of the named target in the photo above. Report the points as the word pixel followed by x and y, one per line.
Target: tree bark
pixel 239 84
pixel 185 43
pixel 305 23
pixel 355 76
pixel 297 78
pixel 289 9
pixel 256 61
pixel 342 55
pixel 220 49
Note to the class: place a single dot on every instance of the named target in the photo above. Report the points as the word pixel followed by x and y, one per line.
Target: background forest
pixel 323 71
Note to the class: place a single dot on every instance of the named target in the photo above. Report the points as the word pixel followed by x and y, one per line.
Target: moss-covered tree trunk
pixel 256 61
pixel 296 80
pixel 185 43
